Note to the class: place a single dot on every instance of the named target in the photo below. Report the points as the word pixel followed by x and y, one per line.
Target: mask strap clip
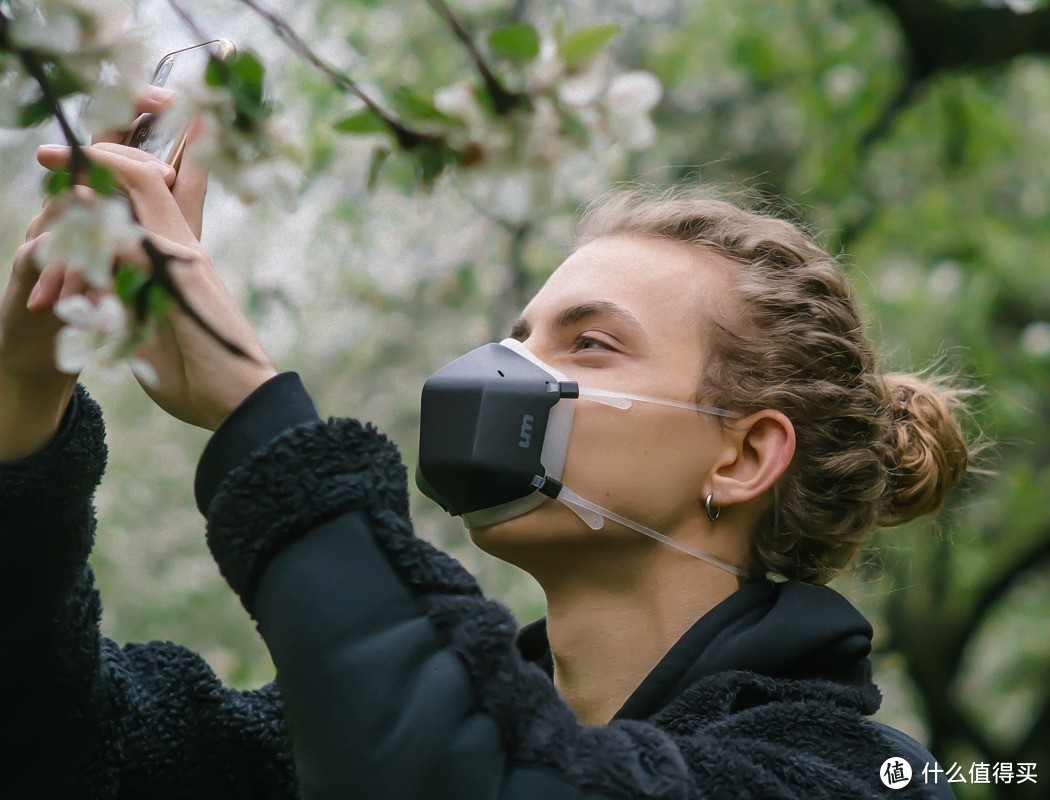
pixel 567 389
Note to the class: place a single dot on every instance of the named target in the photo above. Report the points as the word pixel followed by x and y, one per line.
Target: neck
pixel 614 614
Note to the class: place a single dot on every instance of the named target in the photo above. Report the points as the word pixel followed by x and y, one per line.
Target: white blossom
pixel 458 100
pixel 56 32
pixel 628 101
pixel 95 335
pixel 1035 339
pixel 546 68
pixel 584 89
pixel 87 235
pixel 70 26
pixel 16 89
pixel 116 82
pixel 264 165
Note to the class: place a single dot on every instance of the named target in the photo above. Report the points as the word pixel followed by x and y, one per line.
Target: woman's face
pixel 623 312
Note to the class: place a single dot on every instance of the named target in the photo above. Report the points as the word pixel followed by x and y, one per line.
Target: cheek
pixel 645 463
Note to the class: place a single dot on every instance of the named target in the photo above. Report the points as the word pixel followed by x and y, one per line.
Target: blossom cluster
pixel 544 116
pixel 551 121
pixel 89 50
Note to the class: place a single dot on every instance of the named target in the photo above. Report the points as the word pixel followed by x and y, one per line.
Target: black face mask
pixel 494 434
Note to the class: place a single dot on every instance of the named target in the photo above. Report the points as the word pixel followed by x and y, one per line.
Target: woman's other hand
pixel 198 380
pixel 189 185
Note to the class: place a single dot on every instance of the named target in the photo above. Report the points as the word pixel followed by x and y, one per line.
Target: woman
pixel 668 665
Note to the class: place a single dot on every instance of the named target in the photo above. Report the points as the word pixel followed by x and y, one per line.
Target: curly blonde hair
pixel 872 449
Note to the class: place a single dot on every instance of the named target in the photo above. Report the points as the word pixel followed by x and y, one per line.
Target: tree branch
pixel 926 668
pixel 35 69
pixel 407 139
pixel 942 36
pixel 189 21
pixel 993 592
pixel 161 276
pixel 503 100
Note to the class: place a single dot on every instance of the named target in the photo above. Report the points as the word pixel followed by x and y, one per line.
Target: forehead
pixel 661 282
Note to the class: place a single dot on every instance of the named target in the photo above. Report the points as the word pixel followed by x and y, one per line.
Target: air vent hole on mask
pixel 501 373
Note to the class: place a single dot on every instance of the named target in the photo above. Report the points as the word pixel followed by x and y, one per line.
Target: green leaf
pixel 34 113
pixel 416 104
pixel 57 182
pixel 431 162
pixel 128 280
pixel 102 179
pixel 214 74
pixel 364 121
pixel 157 302
pixel 379 157
pixel 62 80
pixel 519 42
pixel 581 46
pixel 242 74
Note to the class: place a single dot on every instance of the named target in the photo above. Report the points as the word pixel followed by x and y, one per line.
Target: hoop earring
pixel 712 511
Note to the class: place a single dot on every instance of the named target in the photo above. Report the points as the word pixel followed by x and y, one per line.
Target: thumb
pixel 191 182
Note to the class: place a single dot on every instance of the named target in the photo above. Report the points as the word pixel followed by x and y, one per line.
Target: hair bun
pixel 928 453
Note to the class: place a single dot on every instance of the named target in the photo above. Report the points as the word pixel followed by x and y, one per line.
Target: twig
pixel 406 138
pixel 161 276
pixel 31 62
pixel 189 21
pixel 503 100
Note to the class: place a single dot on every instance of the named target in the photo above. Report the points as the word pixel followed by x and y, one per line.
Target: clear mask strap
pixel 624 399
pixel 592 514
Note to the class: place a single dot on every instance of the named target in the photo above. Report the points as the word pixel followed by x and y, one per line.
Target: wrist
pixel 30 414
pixel 236 396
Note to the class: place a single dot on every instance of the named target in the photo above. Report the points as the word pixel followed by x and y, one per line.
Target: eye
pixel 581 343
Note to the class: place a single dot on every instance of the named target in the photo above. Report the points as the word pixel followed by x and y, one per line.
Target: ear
pixel 764 444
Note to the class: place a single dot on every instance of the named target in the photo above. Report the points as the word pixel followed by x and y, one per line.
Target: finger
pixel 39 289
pixel 25 269
pixel 58 156
pixel 191 183
pixel 137 176
pixel 151 100
pixel 74 284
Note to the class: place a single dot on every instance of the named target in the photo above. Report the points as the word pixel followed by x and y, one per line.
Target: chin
pixel 546 529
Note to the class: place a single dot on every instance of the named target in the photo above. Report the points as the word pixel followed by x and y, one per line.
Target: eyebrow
pixel 578 313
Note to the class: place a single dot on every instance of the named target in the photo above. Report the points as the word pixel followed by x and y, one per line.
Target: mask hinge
pixel 547 485
pixel 569 389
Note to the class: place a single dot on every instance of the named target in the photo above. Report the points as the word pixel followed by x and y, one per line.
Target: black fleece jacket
pixel 398 678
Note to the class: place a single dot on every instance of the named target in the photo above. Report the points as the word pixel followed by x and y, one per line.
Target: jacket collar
pixel 787 629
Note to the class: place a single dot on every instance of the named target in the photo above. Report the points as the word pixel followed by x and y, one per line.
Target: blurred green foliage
pixel 933 184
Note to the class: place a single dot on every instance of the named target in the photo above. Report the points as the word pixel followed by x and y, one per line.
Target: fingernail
pixel 53 149
pixel 160 93
pixel 33 295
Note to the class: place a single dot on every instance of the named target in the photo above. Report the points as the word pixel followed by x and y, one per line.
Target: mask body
pixel 489 423
pixel 494 434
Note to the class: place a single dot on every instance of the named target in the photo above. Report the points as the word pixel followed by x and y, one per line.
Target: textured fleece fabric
pixel 398 678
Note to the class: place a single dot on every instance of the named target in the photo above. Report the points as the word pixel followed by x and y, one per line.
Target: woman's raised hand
pixel 33 393
pixel 198 380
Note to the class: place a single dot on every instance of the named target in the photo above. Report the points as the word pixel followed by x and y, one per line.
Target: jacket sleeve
pixel 400 679
pixel 83 717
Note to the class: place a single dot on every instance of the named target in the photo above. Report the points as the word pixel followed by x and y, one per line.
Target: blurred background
pixel 912 135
